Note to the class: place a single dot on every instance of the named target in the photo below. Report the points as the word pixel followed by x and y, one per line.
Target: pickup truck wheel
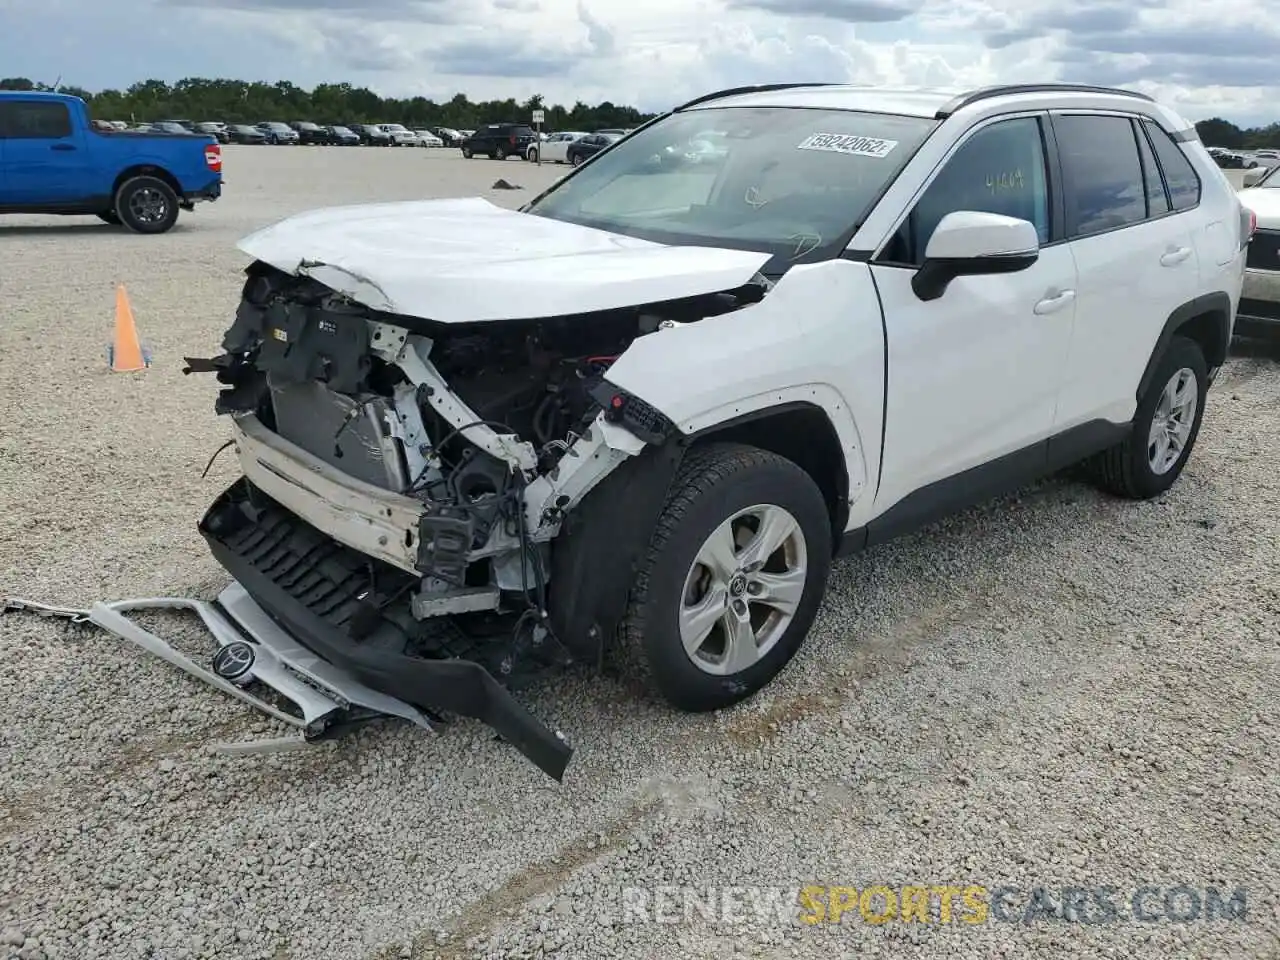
pixel 146 205
pixel 1165 427
pixel 733 577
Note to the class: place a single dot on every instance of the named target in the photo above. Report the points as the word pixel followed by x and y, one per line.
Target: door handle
pixel 1054 302
pixel 1175 256
pixel 63 146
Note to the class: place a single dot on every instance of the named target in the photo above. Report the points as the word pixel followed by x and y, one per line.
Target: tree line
pixel 238 101
pixel 1217 132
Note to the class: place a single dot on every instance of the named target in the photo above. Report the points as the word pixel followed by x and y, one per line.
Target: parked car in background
pixel 53 160
pixel 244 133
pixel 1232 159
pixel 342 136
pixel 187 125
pixel 428 139
pixel 450 136
pixel 171 126
pixel 498 141
pixel 213 128
pixel 584 148
pixel 371 134
pixel 310 133
pixel 279 133
pixel 555 148
pixel 1259 313
pixel 401 136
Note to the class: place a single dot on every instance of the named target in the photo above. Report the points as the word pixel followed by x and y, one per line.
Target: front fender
pixel 817 338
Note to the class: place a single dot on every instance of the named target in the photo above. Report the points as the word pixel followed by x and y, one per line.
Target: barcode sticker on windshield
pixel 848 144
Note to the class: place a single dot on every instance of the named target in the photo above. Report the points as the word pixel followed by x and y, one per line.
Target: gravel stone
pixel 1057 689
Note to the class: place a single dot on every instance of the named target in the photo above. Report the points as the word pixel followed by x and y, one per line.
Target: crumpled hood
pixel 460 261
pixel 1265 203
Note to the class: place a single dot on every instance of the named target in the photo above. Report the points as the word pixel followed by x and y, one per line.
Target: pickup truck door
pixel 45 158
pixel 975 374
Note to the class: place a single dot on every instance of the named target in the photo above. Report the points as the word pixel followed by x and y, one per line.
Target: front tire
pixel 1165 427
pixel 732 579
pixel 533 155
pixel 466 153
pixel 146 205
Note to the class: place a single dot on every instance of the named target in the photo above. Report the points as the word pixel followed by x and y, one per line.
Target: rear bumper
pixel 1259 310
pixel 314 587
pixel 207 193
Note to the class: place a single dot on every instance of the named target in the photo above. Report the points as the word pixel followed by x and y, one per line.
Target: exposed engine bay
pixel 403 480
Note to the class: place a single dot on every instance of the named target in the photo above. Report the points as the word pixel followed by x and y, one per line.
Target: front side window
pixel 1000 169
pixel 790 182
pixel 33 120
pixel 1103 185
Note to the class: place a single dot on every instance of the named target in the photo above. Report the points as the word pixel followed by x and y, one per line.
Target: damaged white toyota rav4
pixel 649 407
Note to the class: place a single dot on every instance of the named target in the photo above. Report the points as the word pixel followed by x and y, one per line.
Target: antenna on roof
pixel 57 83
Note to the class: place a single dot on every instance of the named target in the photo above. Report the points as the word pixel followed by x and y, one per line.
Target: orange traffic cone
pixel 126 349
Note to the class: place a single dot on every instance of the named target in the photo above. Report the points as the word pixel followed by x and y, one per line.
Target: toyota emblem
pixel 234 660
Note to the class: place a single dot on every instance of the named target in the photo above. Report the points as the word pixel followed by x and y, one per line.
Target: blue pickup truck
pixel 54 159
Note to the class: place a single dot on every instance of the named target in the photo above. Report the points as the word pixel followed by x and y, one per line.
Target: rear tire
pixel 146 205
pixel 707 633
pixel 499 152
pixel 533 155
pixel 1165 427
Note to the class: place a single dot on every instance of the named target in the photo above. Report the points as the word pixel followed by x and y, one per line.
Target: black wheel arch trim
pixel 1216 305
pixel 840 497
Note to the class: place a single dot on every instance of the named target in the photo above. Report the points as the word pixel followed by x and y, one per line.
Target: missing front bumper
pixel 316 588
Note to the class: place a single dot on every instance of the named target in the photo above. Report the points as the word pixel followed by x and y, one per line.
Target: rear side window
pixel 1184 183
pixel 1102 172
pixel 31 120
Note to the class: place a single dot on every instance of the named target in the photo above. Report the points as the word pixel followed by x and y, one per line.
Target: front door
pixel 44 159
pixel 975 374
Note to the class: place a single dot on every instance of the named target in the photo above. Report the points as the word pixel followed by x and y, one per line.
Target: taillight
pixel 1248 225
pixel 513 138
pixel 213 157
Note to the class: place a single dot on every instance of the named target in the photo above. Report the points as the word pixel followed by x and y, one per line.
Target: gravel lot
pixel 1055 690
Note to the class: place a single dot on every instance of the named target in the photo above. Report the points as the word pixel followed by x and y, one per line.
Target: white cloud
pixel 1204 61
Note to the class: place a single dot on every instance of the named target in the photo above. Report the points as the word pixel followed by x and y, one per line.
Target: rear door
pixel 1135 254
pixel 45 158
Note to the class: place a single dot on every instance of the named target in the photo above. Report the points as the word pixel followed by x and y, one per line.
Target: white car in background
pixel 428 139
pixel 1259 313
pixel 400 135
pixel 554 147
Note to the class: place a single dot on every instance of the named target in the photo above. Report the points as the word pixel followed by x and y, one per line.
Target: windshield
pixel 794 183
pixel 1269 179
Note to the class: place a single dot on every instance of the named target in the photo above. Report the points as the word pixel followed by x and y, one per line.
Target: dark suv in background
pixel 309 132
pixel 499 141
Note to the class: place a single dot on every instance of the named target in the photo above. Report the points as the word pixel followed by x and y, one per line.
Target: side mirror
pixel 969 243
pixel 1251 177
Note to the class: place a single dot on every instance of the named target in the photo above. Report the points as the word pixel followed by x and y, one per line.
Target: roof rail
pixel 755 88
pixel 1005 90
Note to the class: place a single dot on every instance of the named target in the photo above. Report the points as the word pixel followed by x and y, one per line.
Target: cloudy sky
pixel 1206 59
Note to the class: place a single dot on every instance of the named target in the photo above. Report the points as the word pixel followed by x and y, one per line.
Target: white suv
pixel 651 406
